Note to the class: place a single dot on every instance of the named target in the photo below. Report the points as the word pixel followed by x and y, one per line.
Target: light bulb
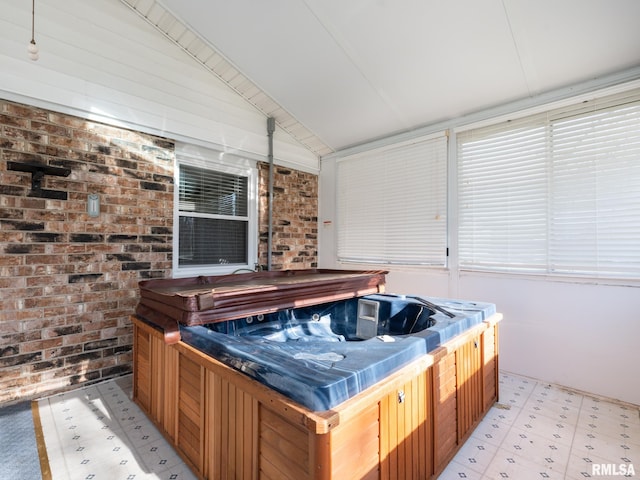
pixel 33 51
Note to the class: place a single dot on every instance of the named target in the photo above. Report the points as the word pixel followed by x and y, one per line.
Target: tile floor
pixel 540 431
pixel 536 431
pixel 98 432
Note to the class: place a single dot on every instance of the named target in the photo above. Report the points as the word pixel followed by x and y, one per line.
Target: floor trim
pixel 42 447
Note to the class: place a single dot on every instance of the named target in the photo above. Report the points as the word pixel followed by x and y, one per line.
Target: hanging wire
pixel 33 48
pixel 33 20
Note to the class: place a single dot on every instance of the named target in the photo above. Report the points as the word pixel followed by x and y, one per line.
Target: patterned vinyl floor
pixel 539 431
pixel 98 433
pixel 536 431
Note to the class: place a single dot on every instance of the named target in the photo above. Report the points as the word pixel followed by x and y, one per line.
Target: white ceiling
pixel 351 71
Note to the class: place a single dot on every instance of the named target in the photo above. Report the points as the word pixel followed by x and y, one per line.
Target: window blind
pixel 214 222
pixel 554 193
pixel 212 192
pixel 391 205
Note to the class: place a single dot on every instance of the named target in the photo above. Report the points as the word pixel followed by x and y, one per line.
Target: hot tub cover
pixel 208 299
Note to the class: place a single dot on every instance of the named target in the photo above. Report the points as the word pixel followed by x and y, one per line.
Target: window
pixel 215 217
pixel 554 193
pixel 391 204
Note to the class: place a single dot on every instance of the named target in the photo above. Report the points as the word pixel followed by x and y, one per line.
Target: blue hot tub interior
pixel 324 354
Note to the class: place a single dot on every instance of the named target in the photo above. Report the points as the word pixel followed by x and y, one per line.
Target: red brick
pixel 56 305
pixel 39 345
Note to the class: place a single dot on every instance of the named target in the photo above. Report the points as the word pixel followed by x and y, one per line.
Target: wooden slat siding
pixel 283 447
pixel 232 419
pixel 223 427
pixel 425 417
pixel 355 446
pixel 231 423
pixel 470 396
pixel 213 423
pixel 400 414
pixel 496 369
pixel 142 368
pixel 463 409
pixel 168 378
pixel 422 460
pixel 403 413
pixel 276 458
pixel 418 456
pixel 158 387
pixel 477 385
pixel 246 429
pixel 148 375
pixel 251 437
pixel 273 463
pixel 445 425
pixel 190 412
pixel 414 456
pixel 489 371
pixel 405 434
pixel 320 456
pixel 237 432
pixel 388 438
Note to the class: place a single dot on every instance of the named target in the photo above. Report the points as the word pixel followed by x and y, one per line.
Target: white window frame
pixel 205 158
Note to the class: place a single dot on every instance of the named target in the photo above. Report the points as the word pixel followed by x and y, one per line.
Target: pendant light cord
pixel 33 20
pixel 32 47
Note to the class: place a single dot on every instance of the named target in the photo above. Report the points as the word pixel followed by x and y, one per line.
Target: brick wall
pixel 68 282
pixel 295 218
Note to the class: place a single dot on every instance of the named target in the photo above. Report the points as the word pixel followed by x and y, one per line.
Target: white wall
pixel 99 60
pixel 579 335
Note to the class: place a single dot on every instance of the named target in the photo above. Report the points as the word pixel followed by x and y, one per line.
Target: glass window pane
pixel 210 241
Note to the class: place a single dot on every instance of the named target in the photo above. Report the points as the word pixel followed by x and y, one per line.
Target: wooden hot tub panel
pixel 226 425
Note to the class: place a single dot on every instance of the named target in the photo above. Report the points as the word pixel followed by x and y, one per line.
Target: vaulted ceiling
pixel 337 73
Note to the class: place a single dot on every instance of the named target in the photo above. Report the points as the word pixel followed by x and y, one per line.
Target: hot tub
pixel 322 355
pixel 312 374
